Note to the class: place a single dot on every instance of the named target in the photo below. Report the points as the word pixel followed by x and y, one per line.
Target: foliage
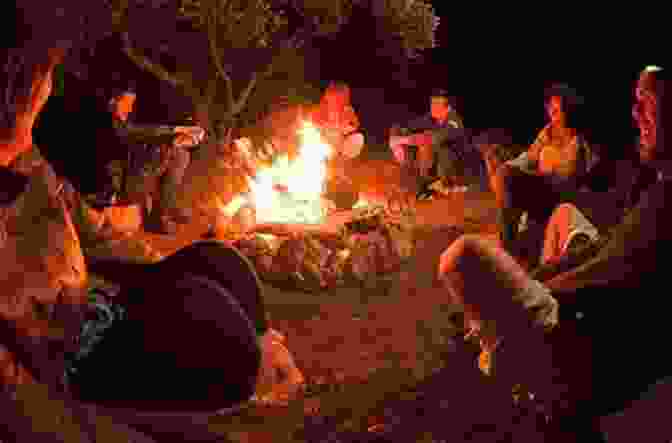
pixel 226 48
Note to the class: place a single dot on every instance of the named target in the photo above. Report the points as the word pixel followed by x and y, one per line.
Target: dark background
pixel 496 61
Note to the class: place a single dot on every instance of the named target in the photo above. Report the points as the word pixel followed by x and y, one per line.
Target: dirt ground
pixel 363 344
pixel 363 349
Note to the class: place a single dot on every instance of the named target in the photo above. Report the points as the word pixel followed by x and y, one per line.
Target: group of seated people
pixel 561 328
pixel 196 335
pixel 599 248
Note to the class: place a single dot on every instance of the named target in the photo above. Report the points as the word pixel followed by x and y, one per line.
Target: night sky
pixel 494 60
pixel 497 60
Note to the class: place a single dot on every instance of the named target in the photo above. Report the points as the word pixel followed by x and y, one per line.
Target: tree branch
pixel 245 94
pixel 146 64
pixel 211 20
pixel 298 39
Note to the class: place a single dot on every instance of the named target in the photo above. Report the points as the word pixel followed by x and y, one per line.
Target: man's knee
pixel 463 249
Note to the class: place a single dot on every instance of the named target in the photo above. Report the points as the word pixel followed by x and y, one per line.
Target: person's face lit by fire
pixel 335 100
pixel 555 112
pixel 645 115
pixel 439 108
pixel 122 106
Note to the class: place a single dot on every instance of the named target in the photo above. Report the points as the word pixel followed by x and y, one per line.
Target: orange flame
pixel 304 179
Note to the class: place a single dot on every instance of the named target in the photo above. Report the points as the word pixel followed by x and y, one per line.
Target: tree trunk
pixel 202 117
pixel 208 116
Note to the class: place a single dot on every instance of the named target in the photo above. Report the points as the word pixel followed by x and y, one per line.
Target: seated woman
pixel 153 360
pixel 549 171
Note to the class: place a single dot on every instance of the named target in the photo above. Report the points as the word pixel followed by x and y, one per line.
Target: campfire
pixel 291 191
pixel 285 227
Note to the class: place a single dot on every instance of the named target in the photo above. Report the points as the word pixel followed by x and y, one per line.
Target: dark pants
pixel 171 181
pixel 460 163
pixel 189 342
pixel 463 163
pixel 154 178
pixel 534 194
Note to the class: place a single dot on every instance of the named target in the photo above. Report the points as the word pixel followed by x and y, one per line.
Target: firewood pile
pixel 373 241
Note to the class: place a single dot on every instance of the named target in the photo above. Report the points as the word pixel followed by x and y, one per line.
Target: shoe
pixel 425 194
pixel 180 218
pixel 162 226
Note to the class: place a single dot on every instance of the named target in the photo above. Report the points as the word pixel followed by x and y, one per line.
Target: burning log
pixel 324 233
pixel 346 248
pixel 293 234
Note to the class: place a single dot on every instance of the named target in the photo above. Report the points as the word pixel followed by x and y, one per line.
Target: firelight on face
pixel 123 106
pixel 439 108
pixel 554 109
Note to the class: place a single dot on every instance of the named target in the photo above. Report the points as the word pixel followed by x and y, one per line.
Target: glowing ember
pixel 291 192
pixel 361 203
pixel 233 207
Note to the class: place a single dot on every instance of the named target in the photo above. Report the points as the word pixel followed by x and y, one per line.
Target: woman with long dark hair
pixel 550 170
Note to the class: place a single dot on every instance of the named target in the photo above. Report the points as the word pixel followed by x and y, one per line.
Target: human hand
pixel 196 132
pixel 279 378
pixel 185 140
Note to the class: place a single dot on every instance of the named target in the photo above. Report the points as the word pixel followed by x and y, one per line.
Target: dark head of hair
pixel 573 104
pixel 337 89
pixel 438 92
pixel 127 88
pixel 338 85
